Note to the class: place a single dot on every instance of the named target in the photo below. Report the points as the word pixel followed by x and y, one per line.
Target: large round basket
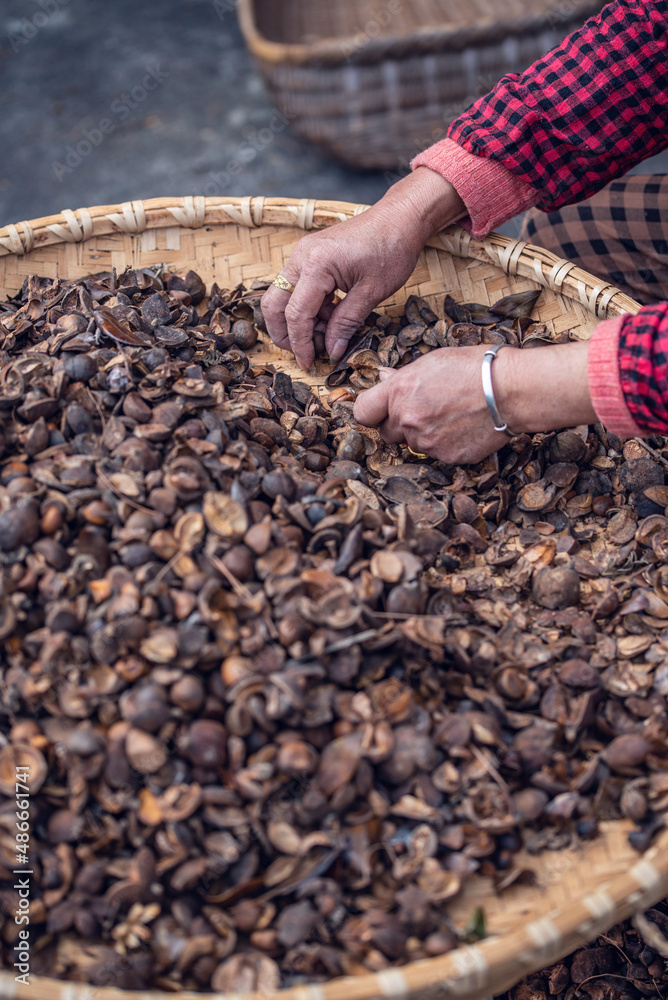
pixel 575 894
pixel 375 84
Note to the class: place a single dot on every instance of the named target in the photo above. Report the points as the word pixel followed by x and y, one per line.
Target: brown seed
pixel 52 518
pixel 145 706
pixel 18 526
pixel 145 753
pixel 464 508
pixel 556 587
pixel 278 483
pixel 511 684
pixel 188 693
pixel 633 801
pixel 258 537
pixel 637 474
pixel 351 447
pixel 339 762
pixel 206 743
pixel 161 645
pixel 567 447
pixel 529 803
pixel 64 827
pixel 135 407
pixel 626 752
pixel 239 561
pixel 297 757
pixel 245 334
pixel 236 668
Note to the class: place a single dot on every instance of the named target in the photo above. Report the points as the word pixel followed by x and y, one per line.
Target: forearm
pixel 619 377
pixel 544 388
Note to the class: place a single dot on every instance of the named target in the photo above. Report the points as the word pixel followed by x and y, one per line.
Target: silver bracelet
pixel 488 389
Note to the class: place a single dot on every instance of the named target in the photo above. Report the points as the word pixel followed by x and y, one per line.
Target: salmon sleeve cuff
pixel 605 385
pixel 491 193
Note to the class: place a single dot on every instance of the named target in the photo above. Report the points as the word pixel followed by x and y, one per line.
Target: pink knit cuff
pixel 490 192
pixel 605 383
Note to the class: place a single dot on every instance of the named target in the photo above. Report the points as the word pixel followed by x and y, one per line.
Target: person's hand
pixel 369 257
pixel 437 406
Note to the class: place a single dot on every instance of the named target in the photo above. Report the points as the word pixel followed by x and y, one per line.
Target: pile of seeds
pixel 280 688
pixel 619 965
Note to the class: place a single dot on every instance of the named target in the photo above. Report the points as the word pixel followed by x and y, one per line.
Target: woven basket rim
pixel 427 38
pixel 473 971
pixel 516 257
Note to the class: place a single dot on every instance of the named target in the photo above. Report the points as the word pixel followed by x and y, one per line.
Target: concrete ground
pixel 102 102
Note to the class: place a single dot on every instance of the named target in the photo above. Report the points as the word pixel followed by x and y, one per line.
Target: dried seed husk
pixel 23 764
pixel 224 516
pixel 145 753
pixel 387 566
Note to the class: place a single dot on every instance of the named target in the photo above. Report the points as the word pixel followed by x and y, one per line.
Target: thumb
pixel 384 373
pixel 371 407
pixel 347 317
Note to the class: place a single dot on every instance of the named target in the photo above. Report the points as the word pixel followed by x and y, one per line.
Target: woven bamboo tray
pixel 577 893
pixel 374 83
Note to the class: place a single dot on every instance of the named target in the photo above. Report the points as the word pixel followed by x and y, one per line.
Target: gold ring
pixel 283 283
pixel 418 454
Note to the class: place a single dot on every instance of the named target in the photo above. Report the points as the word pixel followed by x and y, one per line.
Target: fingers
pixel 273 304
pixel 320 325
pixel 346 319
pixel 391 433
pixel 303 310
pixel 327 308
pixel 371 407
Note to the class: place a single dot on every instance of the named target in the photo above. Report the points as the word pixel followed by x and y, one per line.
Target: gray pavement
pixel 174 88
pixel 103 101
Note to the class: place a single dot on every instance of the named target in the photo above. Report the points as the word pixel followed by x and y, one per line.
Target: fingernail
pixel 384 373
pixel 338 350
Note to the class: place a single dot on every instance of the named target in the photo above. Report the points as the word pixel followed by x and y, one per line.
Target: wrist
pixel 429 200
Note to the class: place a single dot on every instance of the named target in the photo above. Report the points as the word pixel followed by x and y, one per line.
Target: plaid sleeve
pixel 643 367
pixel 583 114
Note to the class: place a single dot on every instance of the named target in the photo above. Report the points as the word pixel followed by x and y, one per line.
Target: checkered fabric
pixel 576 120
pixel 585 113
pixel 621 233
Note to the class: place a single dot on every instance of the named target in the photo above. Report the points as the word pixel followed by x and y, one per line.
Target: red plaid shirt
pixel 580 117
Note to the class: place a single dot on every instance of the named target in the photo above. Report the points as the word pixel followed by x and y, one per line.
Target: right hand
pixel 369 257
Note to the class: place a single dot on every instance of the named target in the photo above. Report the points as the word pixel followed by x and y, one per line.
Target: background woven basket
pixel 373 83
pixel 577 893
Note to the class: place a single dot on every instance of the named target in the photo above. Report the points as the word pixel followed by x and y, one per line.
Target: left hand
pixel 436 404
